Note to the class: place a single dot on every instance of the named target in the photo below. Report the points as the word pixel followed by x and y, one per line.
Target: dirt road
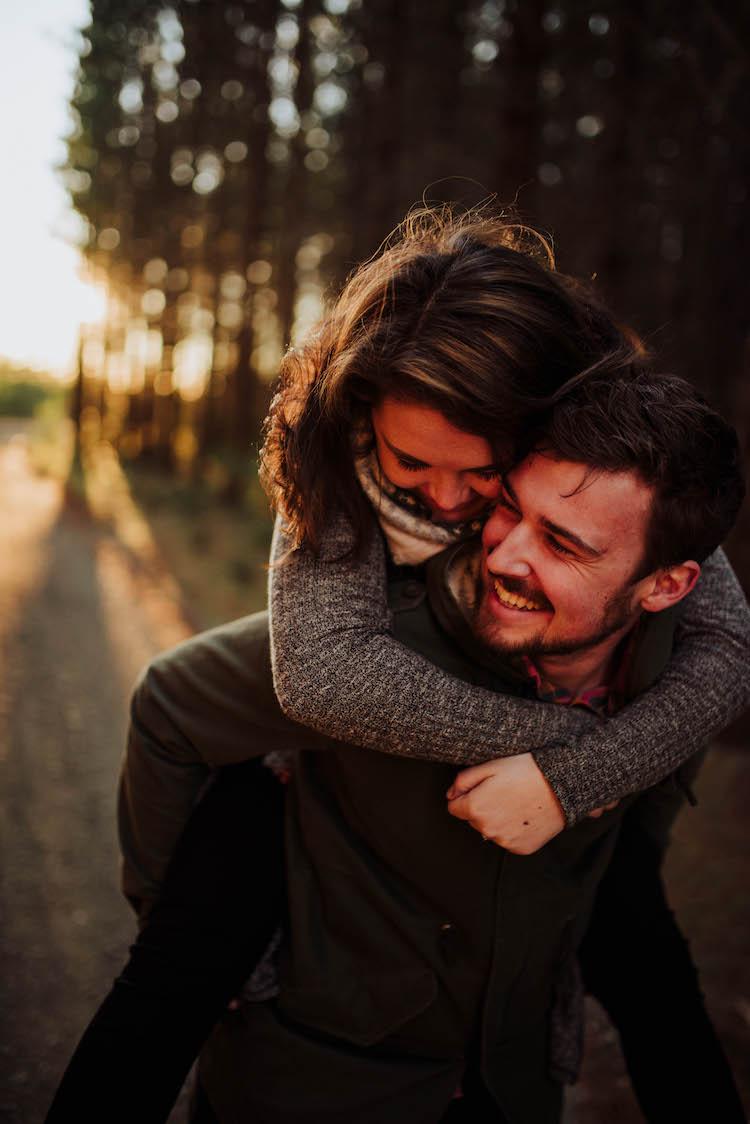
pixel 77 620
pixel 73 634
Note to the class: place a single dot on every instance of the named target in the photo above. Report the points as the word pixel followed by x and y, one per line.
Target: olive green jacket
pixel 406 931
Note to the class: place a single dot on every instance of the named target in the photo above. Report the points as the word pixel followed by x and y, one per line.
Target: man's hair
pixel 660 427
pixel 464 313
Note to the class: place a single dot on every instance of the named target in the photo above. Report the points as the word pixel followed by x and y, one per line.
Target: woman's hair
pixel 463 313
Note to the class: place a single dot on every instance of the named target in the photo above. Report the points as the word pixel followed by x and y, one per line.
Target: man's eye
pixel 410 466
pixel 558 546
pixel 488 474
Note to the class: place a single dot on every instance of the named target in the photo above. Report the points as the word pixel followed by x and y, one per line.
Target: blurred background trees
pixel 233 159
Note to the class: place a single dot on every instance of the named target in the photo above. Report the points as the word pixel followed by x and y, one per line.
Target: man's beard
pixel 618 613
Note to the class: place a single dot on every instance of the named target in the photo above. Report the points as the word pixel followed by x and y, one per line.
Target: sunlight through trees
pixel 233 160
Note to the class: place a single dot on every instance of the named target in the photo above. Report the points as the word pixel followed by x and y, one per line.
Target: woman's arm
pixel 337 668
pixel 705 685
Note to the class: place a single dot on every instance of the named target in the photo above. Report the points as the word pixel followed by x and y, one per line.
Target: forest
pixel 232 161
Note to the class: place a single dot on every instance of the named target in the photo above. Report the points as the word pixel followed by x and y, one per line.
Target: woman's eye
pixel 410 466
pixel 489 474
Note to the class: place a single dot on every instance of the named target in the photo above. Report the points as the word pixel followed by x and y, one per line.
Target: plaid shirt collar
pixel 604 700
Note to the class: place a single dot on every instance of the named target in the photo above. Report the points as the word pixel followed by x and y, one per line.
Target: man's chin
pixel 507 641
pixel 540 645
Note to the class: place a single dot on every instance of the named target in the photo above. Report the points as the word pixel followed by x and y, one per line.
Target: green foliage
pixel 26 398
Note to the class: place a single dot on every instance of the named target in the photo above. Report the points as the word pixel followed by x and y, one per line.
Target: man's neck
pixel 579 671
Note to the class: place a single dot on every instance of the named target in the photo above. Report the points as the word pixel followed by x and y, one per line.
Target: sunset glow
pixel 42 293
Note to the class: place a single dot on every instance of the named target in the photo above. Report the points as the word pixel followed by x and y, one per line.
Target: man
pixel 420 959
pixel 551 484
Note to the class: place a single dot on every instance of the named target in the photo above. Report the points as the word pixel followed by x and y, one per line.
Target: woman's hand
pixel 509 802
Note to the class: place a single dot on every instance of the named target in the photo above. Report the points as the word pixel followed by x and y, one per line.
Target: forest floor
pixel 88 594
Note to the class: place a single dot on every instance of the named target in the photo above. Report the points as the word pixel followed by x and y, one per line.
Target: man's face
pixel 558 564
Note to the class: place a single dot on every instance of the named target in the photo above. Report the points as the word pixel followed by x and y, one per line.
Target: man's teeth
pixel 514 600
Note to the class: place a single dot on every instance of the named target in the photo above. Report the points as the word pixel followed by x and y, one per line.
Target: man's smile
pixel 528 603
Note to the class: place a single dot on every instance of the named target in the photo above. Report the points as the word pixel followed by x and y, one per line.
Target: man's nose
pixel 512 554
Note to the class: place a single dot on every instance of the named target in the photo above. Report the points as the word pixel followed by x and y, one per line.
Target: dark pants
pixel 636 962
pixel 217 914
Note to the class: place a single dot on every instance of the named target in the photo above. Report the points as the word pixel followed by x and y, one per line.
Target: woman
pixel 457 335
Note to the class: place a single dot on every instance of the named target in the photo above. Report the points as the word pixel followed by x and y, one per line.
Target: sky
pixel 42 296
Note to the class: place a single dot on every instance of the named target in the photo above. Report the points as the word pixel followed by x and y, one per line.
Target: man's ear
pixel 667 587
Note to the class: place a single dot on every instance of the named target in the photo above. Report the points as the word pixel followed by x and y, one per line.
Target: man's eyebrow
pixel 410 457
pixel 564 533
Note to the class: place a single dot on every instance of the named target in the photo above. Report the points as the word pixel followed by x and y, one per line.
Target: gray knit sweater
pixel 338 669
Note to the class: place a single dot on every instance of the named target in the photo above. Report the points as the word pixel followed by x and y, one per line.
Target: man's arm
pixel 205 704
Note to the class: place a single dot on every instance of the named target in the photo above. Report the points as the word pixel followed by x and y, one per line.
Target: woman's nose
pixel 449 490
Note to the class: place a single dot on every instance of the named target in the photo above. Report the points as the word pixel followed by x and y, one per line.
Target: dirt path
pixel 75 627
pixel 77 621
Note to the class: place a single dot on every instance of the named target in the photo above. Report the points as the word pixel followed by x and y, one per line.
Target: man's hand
pixel 509 802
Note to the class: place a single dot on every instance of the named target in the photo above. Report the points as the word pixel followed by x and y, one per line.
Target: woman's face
pixel 419 449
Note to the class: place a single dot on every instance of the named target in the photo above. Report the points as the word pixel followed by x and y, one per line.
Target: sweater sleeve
pixel 336 663
pixel 338 668
pixel 704 686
